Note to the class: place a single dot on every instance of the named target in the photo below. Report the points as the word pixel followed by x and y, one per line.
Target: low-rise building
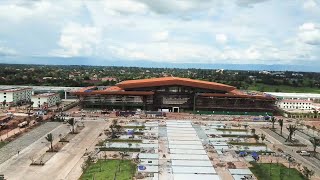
pixel 45 100
pixel 13 96
pixel 297 104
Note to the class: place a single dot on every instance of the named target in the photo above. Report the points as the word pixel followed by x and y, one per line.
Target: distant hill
pixel 143 63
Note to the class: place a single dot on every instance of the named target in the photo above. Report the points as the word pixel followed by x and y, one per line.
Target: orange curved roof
pixel 99 92
pixel 113 88
pixel 85 89
pixel 174 81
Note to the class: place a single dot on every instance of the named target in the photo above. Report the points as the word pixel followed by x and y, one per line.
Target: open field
pixel 282 88
pixel 267 171
pixel 106 170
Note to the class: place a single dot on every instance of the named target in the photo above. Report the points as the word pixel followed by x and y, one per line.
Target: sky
pixel 176 31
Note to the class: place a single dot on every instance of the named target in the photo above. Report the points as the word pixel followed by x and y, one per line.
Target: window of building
pixel 4 96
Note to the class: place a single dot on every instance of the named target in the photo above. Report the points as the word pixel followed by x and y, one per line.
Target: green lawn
pixel 278 172
pixel 108 170
pixel 282 88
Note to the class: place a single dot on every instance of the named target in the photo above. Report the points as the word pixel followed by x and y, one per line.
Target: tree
pixel 49 138
pixel 315 111
pixel 315 142
pixel 245 126
pixel 280 121
pixel 291 129
pixel 273 120
pixel 253 131
pixel 58 103
pixel 4 102
pixel 263 137
pixel 115 128
pixel 256 137
pixel 72 122
pixel 307 172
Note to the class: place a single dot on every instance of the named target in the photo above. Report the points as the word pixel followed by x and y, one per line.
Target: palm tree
pixel 115 128
pixel 273 120
pixel 72 122
pixel 245 126
pixel 315 142
pixel 253 131
pixel 280 121
pixel 49 138
pixel 4 102
pixel 291 129
pixel 263 137
pixel 315 111
pixel 256 137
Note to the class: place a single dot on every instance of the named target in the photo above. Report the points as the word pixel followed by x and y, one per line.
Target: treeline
pixel 92 75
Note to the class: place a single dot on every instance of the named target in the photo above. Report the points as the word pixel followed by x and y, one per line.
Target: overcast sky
pixel 182 31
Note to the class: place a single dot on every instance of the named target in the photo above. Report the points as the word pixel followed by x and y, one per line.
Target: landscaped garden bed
pixel 236 135
pixel 109 170
pixel 268 171
pixel 235 130
pixel 120 149
pixel 247 144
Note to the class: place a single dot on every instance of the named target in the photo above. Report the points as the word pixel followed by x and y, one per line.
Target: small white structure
pixel 15 95
pixel 45 99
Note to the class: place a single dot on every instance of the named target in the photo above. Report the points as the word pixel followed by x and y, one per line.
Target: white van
pixel 304 153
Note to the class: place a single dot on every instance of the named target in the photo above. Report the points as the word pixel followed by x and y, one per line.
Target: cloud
pixel 179 7
pixel 207 31
pixel 249 3
pixel 4 51
pixel 160 36
pixel 310 5
pixel 78 40
pixel 309 33
pixel 221 38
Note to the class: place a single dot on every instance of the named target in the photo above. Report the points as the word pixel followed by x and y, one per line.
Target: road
pixel 25 140
pixel 61 165
pixel 278 141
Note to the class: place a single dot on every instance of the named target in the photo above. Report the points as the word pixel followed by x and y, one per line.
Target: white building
pixel 295 96
pixel 12 96
pixel 45 100
pixel 297 102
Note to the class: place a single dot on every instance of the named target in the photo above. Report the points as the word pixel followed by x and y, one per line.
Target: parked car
pixel 304 153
